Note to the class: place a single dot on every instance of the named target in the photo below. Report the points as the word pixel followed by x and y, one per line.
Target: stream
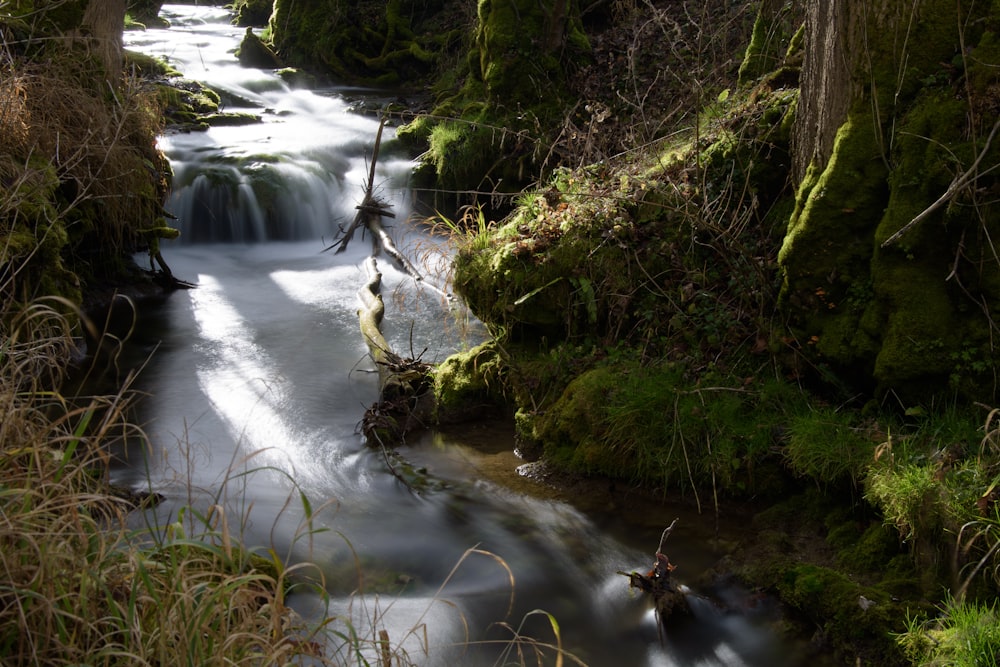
pixel 257 380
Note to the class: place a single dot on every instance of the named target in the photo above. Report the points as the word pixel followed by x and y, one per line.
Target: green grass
pixel 827 446
pixel 967 634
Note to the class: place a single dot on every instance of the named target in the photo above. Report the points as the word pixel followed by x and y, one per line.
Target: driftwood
pixel 405 399
pixel 668 598
pixel 371 210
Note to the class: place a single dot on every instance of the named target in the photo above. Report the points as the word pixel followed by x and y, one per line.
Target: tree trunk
pixel 825 82
pixel 895 120
pixel 103 23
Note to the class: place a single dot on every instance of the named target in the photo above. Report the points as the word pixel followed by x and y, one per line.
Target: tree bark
pixel 103 23
pixel 825 83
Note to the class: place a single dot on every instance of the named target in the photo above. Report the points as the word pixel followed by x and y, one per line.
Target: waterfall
pixel 296 175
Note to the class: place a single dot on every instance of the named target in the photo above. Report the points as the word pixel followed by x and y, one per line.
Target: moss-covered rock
pixel 146 12
pixel 372 42
pixel 253 52
pixel 469 384
pixel 489 130
pixel 252 13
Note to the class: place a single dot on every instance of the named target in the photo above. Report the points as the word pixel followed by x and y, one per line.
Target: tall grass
pixel 77 585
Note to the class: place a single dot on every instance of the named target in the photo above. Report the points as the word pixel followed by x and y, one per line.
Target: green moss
pixel 252 12
pixel 504 97
pixel 966 634
pixel 870 550
pixel 149 66
pixel 370 42
pixel 651 425
pixel 839 606
pixel 468 383
pixel 519 49
pixel 572 431
pixel 901 319
pixel 927 320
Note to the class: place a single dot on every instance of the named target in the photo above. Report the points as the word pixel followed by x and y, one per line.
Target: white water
pixel 258 379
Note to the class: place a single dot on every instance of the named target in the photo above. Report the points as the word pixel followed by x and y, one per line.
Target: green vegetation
pixel 689 318
pixel 965 635
pixel 372 42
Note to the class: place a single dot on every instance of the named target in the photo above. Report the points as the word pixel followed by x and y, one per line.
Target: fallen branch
pixel 405 399
pixel 960 182
pixel 371 210
pixel 370 319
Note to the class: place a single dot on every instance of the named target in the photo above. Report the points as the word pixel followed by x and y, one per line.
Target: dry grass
pixel 76 585
pixel 79 171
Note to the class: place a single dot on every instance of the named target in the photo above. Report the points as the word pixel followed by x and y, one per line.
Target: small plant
pixel 909 497
pixel 967 634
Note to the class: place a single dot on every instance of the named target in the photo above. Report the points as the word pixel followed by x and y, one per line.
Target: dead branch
pixel 961 181
pixel 668 598
pixel 405 399
pixel 371 210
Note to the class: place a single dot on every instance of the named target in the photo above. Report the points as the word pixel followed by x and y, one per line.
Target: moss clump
pixel 930 282
pixel 826 252
pixel 253 52
pixel 397 43
pixel 858 620
pixel 469 383
pixel 654 426
pixel 870 550
pixel 145 12
pixel 776 40
pixel 503 100
pixel 839 569
pixel 965 634
pixel 252 13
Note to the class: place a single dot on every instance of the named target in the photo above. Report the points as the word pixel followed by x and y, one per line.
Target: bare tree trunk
pixel 556 26
pixel 826 83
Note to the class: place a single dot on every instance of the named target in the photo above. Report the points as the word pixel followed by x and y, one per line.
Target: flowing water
pixel 258 378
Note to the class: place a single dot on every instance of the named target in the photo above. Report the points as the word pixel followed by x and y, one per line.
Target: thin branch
pixel 962 180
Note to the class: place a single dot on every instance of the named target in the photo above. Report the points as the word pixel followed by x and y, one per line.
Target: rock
pixel 253 52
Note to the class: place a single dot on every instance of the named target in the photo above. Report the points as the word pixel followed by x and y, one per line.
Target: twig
pixel 666 533
pixel 960 182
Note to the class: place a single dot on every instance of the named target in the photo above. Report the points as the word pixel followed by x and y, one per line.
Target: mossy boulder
pixel 519 47
pixel 469 384
pixel 252 13
pixel 146 12
pixel 253 52
pixel 502 100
